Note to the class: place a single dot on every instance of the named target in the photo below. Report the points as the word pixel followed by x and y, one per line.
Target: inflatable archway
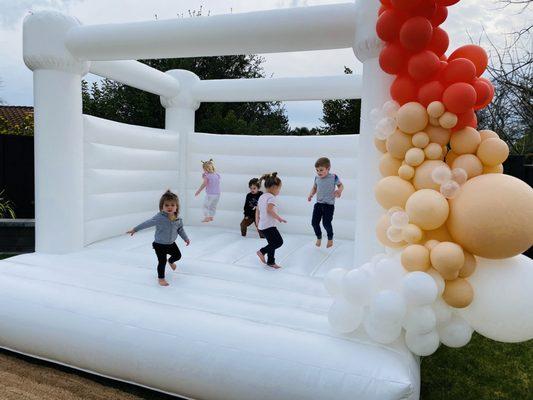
pixel 428 259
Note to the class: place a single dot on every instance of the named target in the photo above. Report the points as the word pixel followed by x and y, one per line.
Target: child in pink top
pixel 211 183
pixel 266 218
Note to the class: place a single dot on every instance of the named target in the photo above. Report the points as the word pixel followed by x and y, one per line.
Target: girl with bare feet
pixel 211 184
pixel 168 225
pixel 266 217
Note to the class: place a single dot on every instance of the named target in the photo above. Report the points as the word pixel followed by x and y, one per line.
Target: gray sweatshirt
pixel 166 231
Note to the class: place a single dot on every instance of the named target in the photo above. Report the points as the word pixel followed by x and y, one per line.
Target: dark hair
pixel 170 197
pixel 254 182
pixel 323 162
pixel 270 180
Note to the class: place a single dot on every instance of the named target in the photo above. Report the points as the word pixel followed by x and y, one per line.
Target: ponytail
pixel 270 180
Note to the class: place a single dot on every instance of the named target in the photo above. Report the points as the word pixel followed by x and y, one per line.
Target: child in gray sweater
pixel 167 228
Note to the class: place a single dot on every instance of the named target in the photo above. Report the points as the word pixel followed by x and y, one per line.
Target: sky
pixel 467 19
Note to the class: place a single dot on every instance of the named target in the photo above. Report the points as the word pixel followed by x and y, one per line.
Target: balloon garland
pixel 448 206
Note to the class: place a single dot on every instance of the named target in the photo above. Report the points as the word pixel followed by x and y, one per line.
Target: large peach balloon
pixel 423 178
pixel 447 256
pixel 470 163
pixel 398 143
pixel 492 216
pixel 389 165
pixel 458 293
pixel 412 117
pixel 381 233
pixel 465 141
pixel 415 258
pixel 438 135
pixel 493 151
pixel 393 191
pixel 427 209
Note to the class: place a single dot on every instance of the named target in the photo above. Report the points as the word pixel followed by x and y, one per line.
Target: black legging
pixel 161 250
pixel 274 240
pixel 324 212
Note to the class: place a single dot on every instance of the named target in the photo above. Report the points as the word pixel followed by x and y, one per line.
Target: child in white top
pixel 211 183
pixel 266 217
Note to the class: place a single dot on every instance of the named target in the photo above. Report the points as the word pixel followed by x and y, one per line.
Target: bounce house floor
pixel 226 328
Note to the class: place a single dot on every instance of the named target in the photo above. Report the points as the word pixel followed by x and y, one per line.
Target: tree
pixel 341 116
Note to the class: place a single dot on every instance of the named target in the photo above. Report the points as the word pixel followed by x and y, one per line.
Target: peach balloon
pixel 441 234
pixel 448 120
pixel 493 151
pixel 438 134
pixel 423 178
pixel 486 134
pixel 450 157
pixel 433 151
pixel 458 293
pixel 497 169
pixel 431 243
pixel 420 140
pixel 434 121
pixel 389 165
pixel 470 163
pixel 414 156
pixel 393 191
pixel 427 208
pixel 412 117
pixel 380 145
pixel 491 216
pixel 412 234
pixel 465 141
pixel 398 143
pixel 446 257
pixel 406 172
pixel 435 109
pixel 469 266
pixel 381 232
pixel 415 257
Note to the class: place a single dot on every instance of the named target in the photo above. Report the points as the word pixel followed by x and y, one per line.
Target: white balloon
pixel 388 307
pixel 399 219
pixel 503 301
pixel 381 333
pixel 443 311
pixel 456 332
pixel 419 288
pixel 439 280
pixel 388 273
pixel 390 108
pixel 420 319
pixel 344 317
pixel 357 287
pixel 333 280
pixel 422 344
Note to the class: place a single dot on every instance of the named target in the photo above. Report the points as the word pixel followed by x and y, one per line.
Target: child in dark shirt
pixel 250 204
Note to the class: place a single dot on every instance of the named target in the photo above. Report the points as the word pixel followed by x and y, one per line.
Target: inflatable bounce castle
pixel 429 230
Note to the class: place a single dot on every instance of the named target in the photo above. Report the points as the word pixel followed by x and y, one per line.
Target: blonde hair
pixel 209 166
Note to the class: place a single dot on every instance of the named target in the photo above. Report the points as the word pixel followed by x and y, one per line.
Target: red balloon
pixel 423 65
pixel 459 70
pixel 447 2
pixel 441 13
pixel 405 5
pixel 389 24
pixel 484 93
pixel 386 3
pixel 416 33
pixel 426 9
pixel 403 89
pixel 382 9
pixel 468 118
pixel 459 97
pixel 431 91
pixel 491 87
pixel 474 53
pixel 439 41
pixel 393 58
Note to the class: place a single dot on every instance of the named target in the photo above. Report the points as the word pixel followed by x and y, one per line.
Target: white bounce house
pixel 226 328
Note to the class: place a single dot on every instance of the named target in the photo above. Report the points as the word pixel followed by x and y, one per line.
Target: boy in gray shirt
pixel 326 187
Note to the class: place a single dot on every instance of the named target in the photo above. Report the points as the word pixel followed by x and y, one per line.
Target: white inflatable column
pixel 58 132
pixel 179 118
pixel 376 85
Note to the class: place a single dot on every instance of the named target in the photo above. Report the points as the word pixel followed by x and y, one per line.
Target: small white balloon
pixel 456 332
pixel 387 126
pixel 420 319
pixel 381 333
pixel 333 281
pixel 450 189
pixel 392 210
pixel 394 234
pixel 358 287
pixel 419 288
pixel 390 108
pixel 422 344
pixel 375 115
pixel 459 175
pixel 441 174
pixel 388 307
pixel 439 280
pixel 344 317
pixel 443 311
pixel 388 274
pixel 399 219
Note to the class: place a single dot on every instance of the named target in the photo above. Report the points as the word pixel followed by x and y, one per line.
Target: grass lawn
pixel 483 369
pixel 2 256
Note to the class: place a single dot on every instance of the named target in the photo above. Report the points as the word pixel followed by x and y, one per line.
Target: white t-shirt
pixel 265 219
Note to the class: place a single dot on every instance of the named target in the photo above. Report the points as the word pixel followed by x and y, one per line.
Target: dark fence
pixel 16 173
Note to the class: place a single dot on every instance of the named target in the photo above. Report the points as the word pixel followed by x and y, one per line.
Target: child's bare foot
pixel 318 242
pixel 211 219
pixel 261 256
pixel 206 219
pixel 330 244
pixel 172 265
pixel 275 266
pixel 163 282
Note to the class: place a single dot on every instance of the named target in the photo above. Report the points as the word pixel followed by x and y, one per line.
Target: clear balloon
pixel 344 317
pixel 375 115
pixel 392 210
pixel 399 219
pixel 379 135
pixel 450 189
pixel 459 175
pixel 394 234
pixel 390 108
pixel 441 174
pixel 387 126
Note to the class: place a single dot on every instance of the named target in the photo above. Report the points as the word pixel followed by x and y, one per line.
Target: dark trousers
pixel 245 223
pixel 323 212
pixel 275 241
pixel 161 250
